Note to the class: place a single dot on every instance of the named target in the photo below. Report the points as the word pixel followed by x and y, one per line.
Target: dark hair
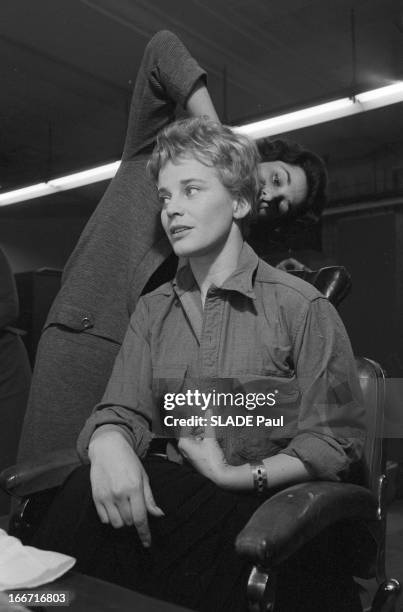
pixel 313 166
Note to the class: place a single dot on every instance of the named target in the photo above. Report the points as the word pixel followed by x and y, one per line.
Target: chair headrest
pixel 333 281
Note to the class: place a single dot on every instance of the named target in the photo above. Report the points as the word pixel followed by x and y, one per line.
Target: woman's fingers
pixel 114 516
pixel 102 513
pixel 142 502
pixel 125 511
pixel 139 514
pixel 131 511
pixel 150 503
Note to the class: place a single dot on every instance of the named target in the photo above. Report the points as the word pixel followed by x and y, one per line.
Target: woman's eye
pixel 163 199
pixel 276 180
pixel 190 190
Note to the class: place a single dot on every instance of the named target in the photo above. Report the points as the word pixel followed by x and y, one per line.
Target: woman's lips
pixel 179 230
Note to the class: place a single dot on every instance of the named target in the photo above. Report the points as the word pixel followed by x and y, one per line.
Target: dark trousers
pixel 192 560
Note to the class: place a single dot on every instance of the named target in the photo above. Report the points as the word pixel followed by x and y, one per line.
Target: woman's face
pixel 197 210
pixel 285 185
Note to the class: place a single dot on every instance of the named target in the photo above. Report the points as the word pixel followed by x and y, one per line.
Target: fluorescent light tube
pixel 368 100
pixel 343 107
pixel 79 179
pixel 298 119
pixel 26 193
pixel 382 96
pixel 70 181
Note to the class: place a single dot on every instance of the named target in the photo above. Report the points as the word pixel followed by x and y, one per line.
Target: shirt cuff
pixel 323 456
pixel 136 433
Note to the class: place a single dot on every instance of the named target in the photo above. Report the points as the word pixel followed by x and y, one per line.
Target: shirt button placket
pixel 211 334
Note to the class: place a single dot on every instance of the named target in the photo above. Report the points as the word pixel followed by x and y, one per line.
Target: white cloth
pixel 23 567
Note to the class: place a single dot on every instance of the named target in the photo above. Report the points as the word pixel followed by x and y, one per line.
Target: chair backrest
pixel 369 544
pixel 333 281
pixel 372 382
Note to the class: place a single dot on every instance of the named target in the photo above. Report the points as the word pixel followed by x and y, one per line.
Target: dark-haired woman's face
pixel 285 187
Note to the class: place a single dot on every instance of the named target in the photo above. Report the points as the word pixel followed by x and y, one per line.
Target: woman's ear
pixel 241 208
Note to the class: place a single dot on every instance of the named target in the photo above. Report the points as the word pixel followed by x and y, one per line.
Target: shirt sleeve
pixel 127 404
pixel 330 432
pixel 8 293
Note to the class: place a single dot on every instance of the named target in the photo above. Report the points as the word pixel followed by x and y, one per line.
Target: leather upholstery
pixel 333 281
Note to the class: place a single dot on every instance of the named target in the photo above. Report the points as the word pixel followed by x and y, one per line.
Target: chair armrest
pixel 292 517
pixel 48 471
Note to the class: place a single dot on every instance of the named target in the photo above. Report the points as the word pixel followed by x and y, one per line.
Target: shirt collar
pixel 241 280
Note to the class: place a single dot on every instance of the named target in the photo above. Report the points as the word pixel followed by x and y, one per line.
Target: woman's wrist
pixel 104 436
pixel 236 478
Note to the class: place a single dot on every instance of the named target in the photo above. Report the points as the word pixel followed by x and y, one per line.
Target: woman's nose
pixel 173 207
pixel 267 194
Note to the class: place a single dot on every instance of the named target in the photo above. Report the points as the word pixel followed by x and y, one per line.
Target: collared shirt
pixel 263 331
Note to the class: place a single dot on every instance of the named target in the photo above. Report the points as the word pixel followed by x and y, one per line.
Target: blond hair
pixel 233 156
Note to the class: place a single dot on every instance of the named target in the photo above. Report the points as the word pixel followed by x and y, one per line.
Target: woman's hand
pixel 205 455
pixel 120 485
pixel 204 452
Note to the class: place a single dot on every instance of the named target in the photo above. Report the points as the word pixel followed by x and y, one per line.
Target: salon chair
pixel 285 522
pixel 294 516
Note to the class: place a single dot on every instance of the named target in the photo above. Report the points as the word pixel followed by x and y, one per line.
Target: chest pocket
pixel 281 386
pixel 273 401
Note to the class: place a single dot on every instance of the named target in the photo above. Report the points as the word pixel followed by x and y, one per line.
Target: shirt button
pixel 86 322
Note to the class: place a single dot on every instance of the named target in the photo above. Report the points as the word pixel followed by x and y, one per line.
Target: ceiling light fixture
pixel 26 193
pixel 79 179
pixel 70 181
pixel 343 107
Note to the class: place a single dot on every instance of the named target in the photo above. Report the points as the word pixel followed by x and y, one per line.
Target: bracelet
pixel 259 474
